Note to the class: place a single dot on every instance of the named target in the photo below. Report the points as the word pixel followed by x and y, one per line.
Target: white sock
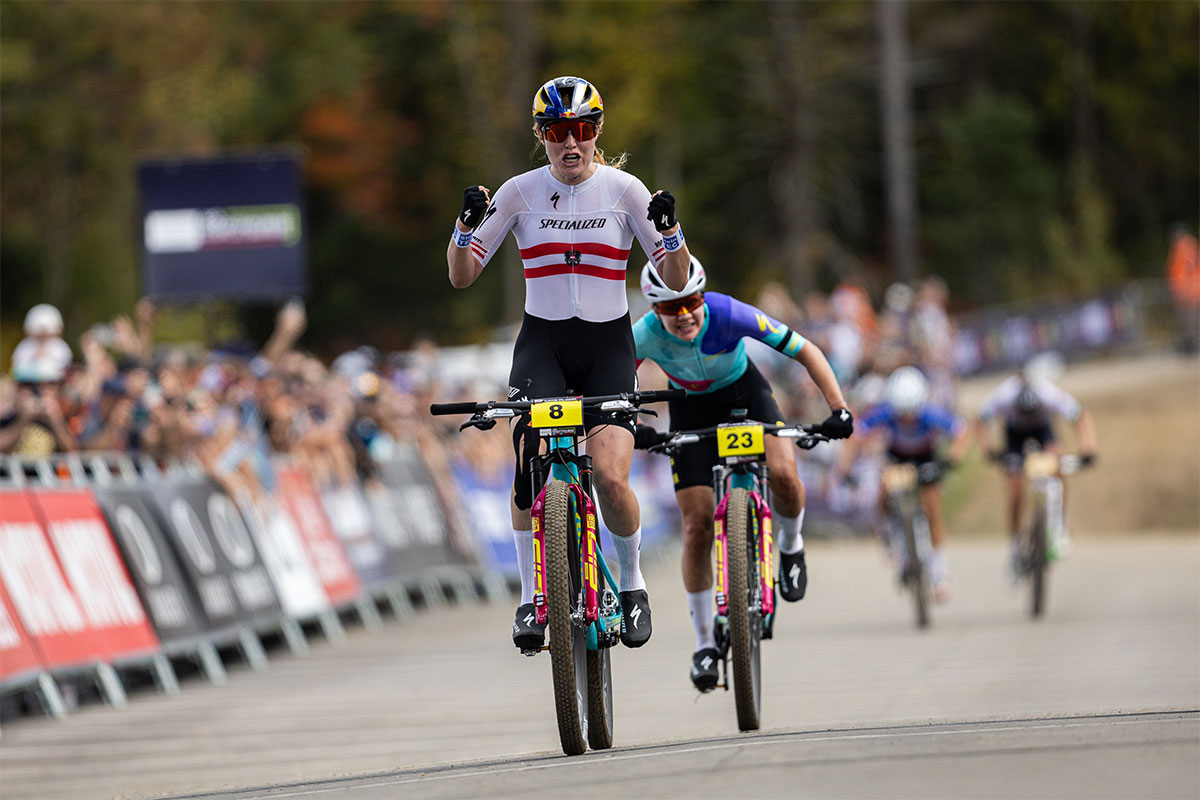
pixel 700 606
pixel 788 533
pixel 627 554
pixel 938 569
pixel 524 543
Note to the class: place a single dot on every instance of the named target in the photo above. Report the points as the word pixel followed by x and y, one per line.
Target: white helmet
pixel 907 390
pixel 656 290
pixel 43 319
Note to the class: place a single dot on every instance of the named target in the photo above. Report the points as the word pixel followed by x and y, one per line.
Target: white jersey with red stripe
pixel 574 239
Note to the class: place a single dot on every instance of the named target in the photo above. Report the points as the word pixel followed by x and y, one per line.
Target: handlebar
pixel 636 398
pixel 1068 463
pixel 807 436
pixel 485 414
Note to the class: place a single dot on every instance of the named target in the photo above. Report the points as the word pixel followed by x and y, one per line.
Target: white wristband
pixel 461 238
pixel 674 241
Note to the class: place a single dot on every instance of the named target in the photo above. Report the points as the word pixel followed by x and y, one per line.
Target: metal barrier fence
pixel 109 564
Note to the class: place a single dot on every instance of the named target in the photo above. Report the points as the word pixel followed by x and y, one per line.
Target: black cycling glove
pixel 645 437
pixel 839 425
pixel 662 211
pixel 475 202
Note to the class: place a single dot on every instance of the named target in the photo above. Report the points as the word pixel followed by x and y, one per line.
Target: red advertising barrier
pixel 333 567
pixel 17 656
pixel 46 607
pixel 94 569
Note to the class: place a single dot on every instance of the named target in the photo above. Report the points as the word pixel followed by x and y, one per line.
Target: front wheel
pixel 568 641
pixel 745 614
pixel 918 580
pixel 1037 561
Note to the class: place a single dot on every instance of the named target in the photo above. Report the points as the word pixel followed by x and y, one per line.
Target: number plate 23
pixel 564 413
pixel 740 440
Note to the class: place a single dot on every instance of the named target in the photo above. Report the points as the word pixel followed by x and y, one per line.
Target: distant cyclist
pixel 915 429
pixel 1027 404
pixel 574 221
pixel 696 338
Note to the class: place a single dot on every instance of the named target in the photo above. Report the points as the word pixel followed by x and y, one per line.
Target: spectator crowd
pixel 232 409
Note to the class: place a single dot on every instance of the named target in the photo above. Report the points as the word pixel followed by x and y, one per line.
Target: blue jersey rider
pixel 914 428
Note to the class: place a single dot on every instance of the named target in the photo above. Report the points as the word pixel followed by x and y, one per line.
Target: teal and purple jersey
pixel 717 357
pixel 914 436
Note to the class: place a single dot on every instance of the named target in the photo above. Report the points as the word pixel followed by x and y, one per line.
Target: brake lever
pixel 650 412
pixel 478 421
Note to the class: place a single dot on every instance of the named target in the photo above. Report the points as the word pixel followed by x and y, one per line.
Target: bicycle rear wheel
pixel 600 698
pixel 568 642
pixel 918 580
pixel 600 692
pixel 1037 561
pixel 745 617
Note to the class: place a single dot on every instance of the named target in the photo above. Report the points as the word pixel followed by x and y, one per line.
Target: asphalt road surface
pixel 1101 698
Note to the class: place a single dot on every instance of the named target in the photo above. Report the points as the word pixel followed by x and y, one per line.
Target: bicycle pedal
pixel 533 651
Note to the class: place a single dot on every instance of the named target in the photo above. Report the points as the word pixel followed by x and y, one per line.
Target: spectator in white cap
pixel 42 356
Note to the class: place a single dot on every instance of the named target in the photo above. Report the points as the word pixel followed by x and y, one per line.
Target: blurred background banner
pixel 152 565
pixel 229 227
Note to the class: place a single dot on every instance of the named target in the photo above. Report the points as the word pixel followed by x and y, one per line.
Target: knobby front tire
pixel 1037 561
pixel 568 642
pixel 916 567
pixel 745 625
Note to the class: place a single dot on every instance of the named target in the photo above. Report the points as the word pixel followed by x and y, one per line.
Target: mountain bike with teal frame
pixel 574 589
pixel 742 544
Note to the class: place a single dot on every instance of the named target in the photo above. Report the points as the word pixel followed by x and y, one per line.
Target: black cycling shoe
pixel 704 668
pixel 635 618
pixel 793 576
pixel 527 634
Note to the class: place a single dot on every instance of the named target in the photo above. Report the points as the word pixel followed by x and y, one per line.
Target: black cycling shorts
pixel 565 358
pixel 693 464
pixel 1016 436
pixel 568 357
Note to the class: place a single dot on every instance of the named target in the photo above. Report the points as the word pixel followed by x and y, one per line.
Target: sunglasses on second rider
pixel 682 305
pixel 583 130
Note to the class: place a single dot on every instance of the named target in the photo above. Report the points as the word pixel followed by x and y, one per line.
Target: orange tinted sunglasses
pixel 684 305
pixel 581 129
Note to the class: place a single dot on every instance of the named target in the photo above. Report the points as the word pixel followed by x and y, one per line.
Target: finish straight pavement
pixel 857 702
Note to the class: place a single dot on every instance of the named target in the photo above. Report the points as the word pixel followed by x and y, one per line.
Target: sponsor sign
pixel 348 512
pixel 296 584
pixel 328 557
pixel 407 507
pixel 45 605
pixel 151 562
pixel 214 549
pixel 487 513
pixel 17 654
pixel 95 572
pixel 223 227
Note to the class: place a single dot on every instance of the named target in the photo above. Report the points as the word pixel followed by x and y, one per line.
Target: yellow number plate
pixel 739 440
pixel 565 413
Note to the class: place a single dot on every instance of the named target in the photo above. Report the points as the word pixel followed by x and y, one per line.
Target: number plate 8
pixel 740 440
pixel 564 413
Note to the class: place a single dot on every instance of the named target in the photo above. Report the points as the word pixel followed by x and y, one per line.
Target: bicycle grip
pixel 659 395
pixel 453 408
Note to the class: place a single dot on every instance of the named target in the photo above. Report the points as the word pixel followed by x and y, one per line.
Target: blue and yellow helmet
pixel 567 98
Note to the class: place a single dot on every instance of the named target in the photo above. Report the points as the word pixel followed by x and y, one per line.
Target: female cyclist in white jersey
pixel 574 221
